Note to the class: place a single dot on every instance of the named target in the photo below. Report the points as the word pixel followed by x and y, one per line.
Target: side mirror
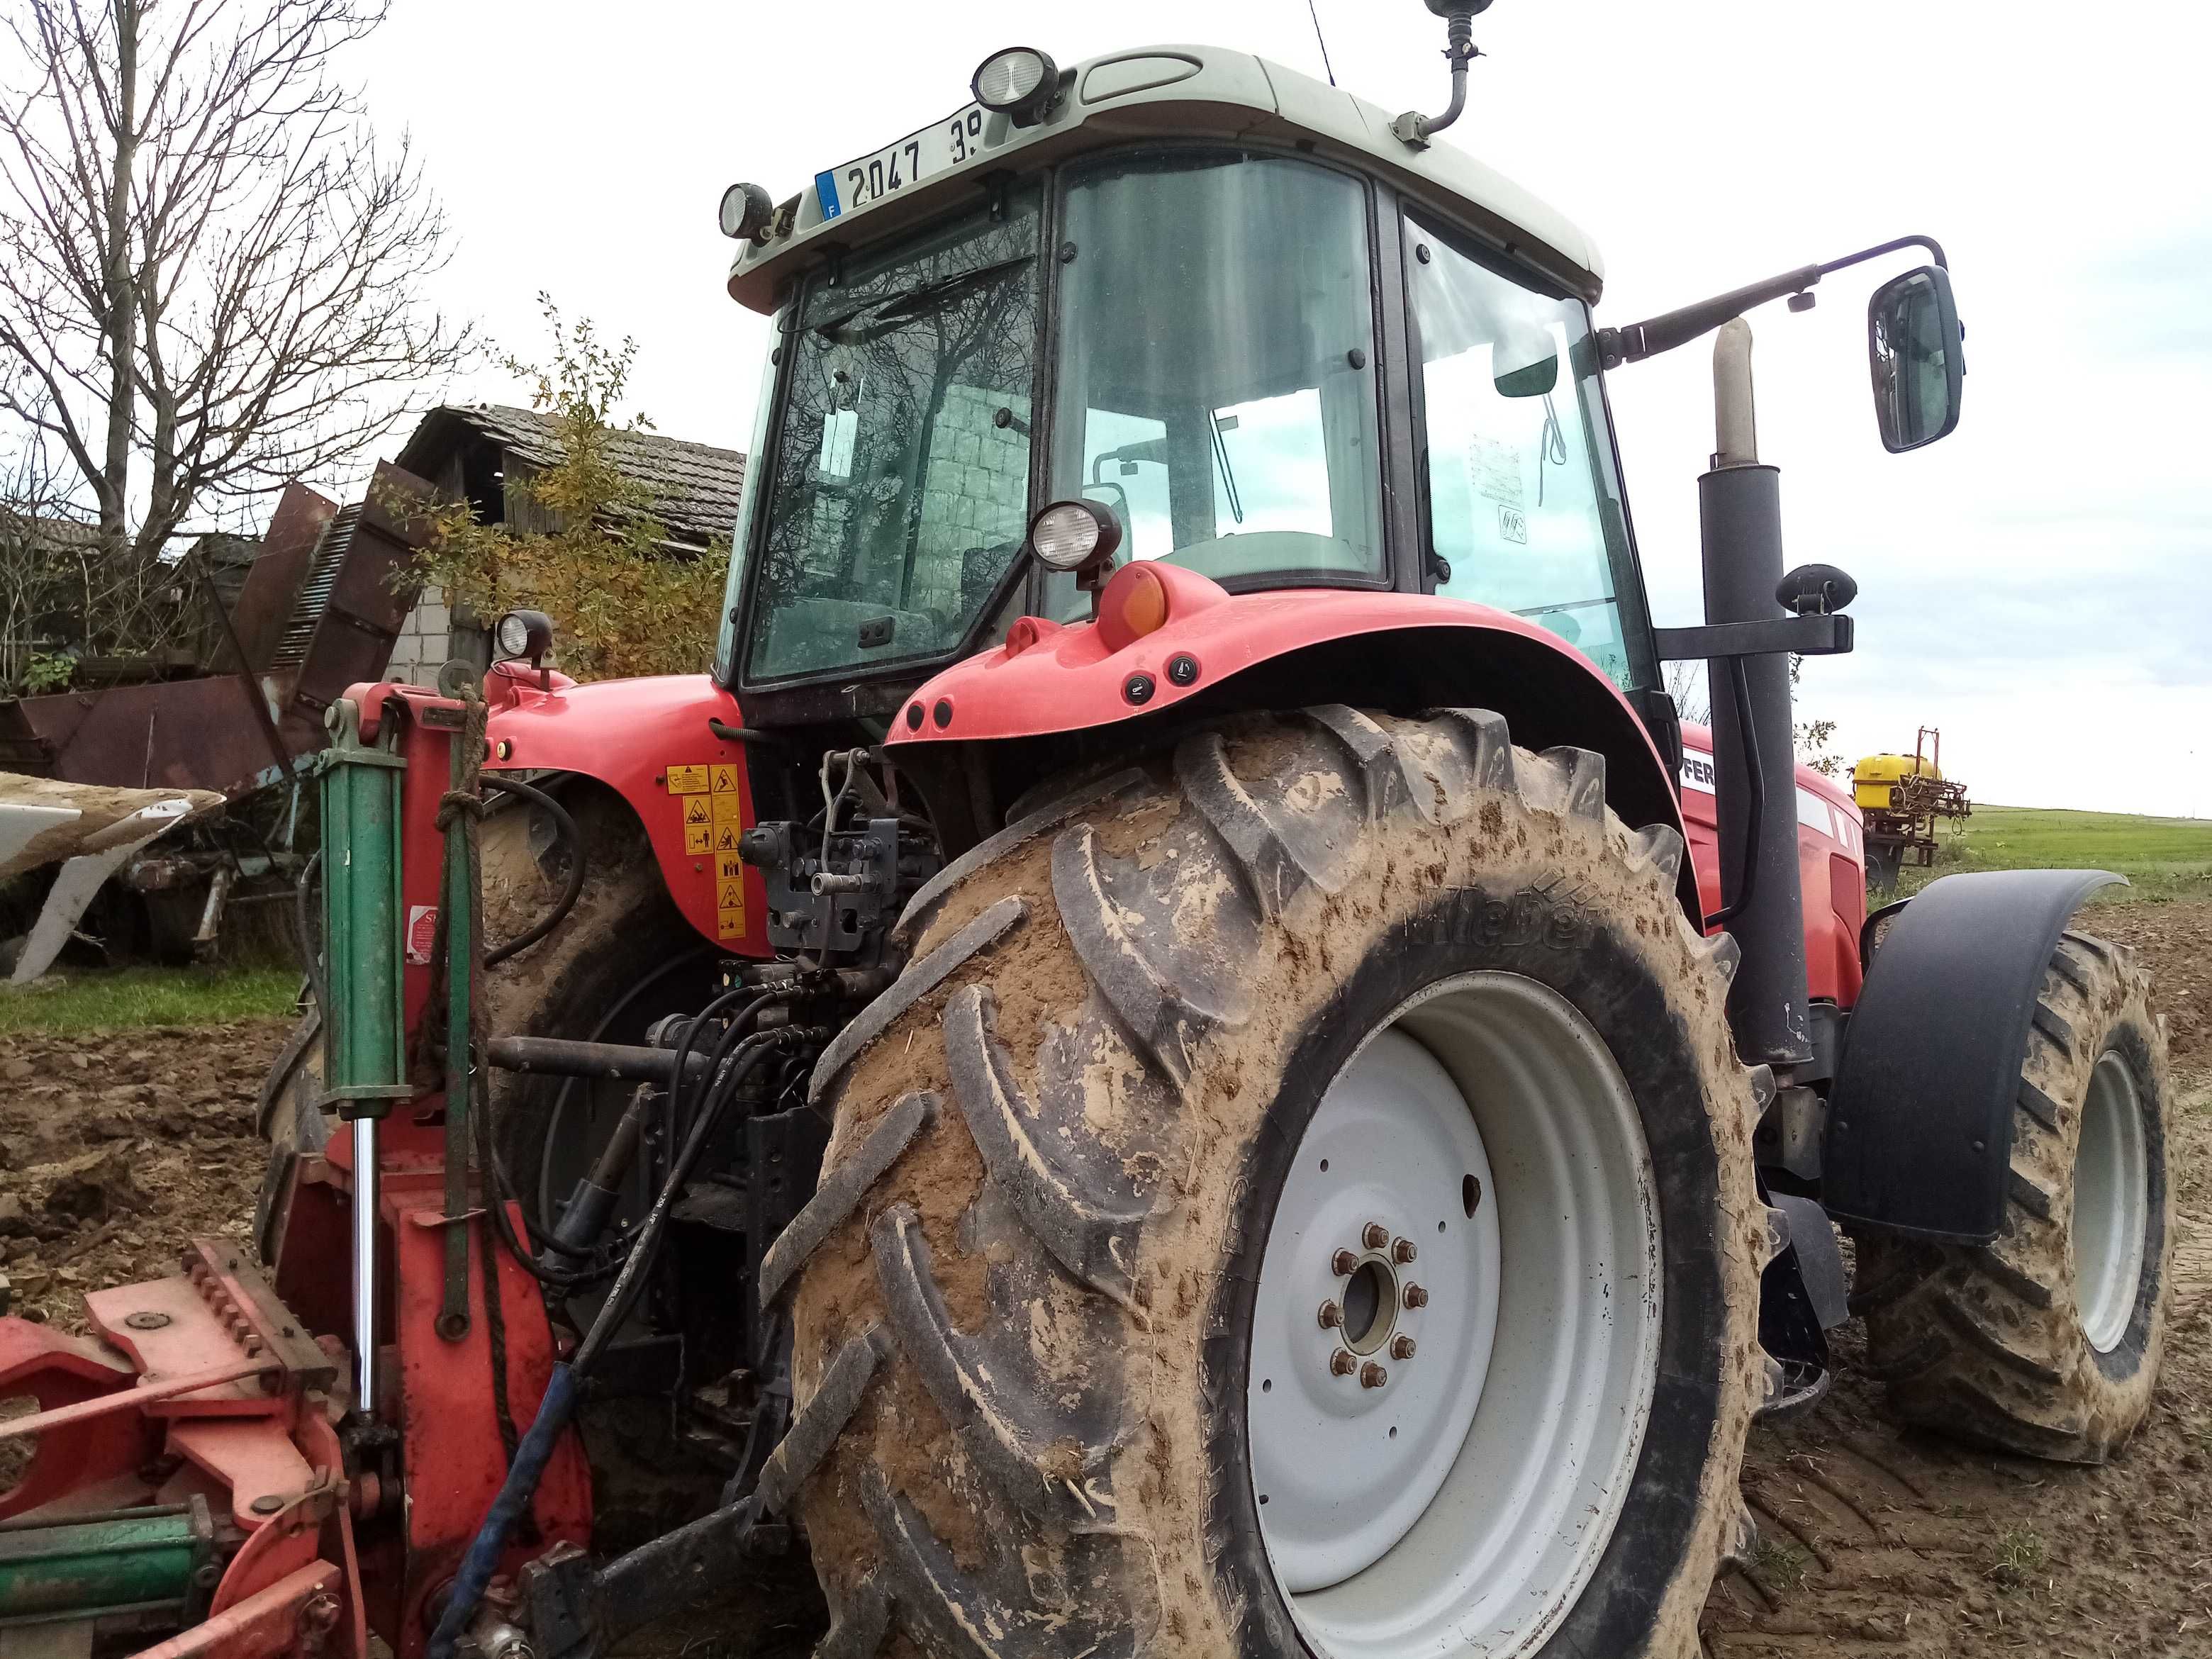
pixel 1913 346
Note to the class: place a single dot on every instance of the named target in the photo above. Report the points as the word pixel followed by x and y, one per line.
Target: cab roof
pixel 1186 92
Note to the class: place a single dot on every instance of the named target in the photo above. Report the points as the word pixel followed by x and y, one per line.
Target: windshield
pixel 901 484
pixel 1215 380
pixel 1523 503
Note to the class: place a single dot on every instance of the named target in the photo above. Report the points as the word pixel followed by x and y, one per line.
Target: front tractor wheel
pixel 1297 1201
pixel 2047 1341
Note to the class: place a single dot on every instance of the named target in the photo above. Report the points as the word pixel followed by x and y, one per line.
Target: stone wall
pixel 976 496
pixel 425 640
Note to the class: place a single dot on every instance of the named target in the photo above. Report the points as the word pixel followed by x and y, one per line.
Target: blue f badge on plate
pixel 825 191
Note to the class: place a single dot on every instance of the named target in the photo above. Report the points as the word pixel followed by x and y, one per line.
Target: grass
pixel 2162 858
pixel 123 999
pixel 1780 1563
pixel 2018 1557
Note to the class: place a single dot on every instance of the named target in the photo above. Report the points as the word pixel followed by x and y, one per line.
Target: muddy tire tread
pixel 1983 1342
pixel 1023 1454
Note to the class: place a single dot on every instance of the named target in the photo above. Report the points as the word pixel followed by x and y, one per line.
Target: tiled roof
pixel 53 533
pixel 695 486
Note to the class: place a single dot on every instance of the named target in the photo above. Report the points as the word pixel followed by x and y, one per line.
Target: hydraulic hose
pixel 559 1401
pixel 564 825
pixel 544 1193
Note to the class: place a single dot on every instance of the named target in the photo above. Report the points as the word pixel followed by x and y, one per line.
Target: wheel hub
pixel 1347 1436
pixel 1449 1376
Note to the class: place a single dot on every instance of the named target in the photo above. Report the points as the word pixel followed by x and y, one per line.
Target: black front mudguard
pixel 1919 1130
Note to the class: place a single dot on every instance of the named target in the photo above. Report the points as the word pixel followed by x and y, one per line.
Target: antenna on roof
pixel 1325 64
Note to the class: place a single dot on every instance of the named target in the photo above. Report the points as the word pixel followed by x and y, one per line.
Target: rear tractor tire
pixel 2047 1342
pixel 1298 1201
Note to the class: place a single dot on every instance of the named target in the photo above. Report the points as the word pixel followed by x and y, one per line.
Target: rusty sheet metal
pixel 187 734
pixel 287 549
pixel 351 606
pixel 319 612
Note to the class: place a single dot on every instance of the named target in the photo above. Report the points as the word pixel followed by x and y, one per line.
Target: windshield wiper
pixel 910 302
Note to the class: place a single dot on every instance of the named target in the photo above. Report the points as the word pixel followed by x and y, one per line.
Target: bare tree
pixel 1686 683
pixel 70 598
pixel 210 272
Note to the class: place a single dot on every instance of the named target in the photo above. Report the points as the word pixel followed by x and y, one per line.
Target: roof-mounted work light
pixel 1021 82
pixel 746 211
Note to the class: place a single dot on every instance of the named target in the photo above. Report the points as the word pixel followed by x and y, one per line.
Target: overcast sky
pixel 2039 584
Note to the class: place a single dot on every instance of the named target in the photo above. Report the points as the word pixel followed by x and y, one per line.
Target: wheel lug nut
pixel 1373 1375
pixel 1341 1363
pixel 1416 1297
pixel 1403 1251
pixel 1331 1316
pixel 1375 1236
pixel 1402 1348
pixel 1345 1262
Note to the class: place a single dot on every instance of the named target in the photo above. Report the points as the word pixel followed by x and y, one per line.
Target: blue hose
pixel 482 1561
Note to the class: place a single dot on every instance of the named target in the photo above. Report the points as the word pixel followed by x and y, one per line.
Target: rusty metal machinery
pixel 320 607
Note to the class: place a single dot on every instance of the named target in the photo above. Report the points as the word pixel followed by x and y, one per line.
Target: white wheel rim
pixel 2112 1203
pixel 1522 1410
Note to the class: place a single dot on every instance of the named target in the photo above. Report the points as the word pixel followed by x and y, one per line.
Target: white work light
pixel 523 634
pixel 745 211
pixel 1021 82
pixel 1068 535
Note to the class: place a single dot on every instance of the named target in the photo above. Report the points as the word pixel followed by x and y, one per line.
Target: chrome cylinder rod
pixel 365 1287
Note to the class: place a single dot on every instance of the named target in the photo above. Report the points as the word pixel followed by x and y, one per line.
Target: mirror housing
pixel 1913 350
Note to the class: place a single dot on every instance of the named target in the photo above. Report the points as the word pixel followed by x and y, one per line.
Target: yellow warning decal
pixel 687 780
pixel 696 811
pixel 731 895
pixel 725 778
pixel 730 921
pixel 725 837
pixel 698 837
pixel 728 809
pixel 728 866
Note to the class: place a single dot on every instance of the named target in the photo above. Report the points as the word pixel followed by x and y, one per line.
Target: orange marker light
pixel 1134 604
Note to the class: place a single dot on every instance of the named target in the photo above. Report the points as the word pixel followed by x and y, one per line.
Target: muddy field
pixel 114 1149
pixel 1875 1540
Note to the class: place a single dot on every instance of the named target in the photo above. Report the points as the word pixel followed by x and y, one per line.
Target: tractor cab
pixel 1264 338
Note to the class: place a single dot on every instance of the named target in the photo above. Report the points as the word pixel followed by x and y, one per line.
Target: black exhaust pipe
pixel 1740 518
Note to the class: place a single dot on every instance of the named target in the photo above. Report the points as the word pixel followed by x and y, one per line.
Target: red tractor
pixel 1143 1067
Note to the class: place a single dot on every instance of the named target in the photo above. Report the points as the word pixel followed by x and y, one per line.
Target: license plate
pixel 948 143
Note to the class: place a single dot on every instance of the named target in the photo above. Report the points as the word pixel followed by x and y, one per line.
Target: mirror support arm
pixel 1664 333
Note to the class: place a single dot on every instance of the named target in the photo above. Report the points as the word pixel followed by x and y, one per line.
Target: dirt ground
pixel 1880 1541
pixel 113 1149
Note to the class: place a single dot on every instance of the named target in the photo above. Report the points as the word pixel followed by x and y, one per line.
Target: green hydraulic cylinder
pixel 364 1022
pixel 104 1562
